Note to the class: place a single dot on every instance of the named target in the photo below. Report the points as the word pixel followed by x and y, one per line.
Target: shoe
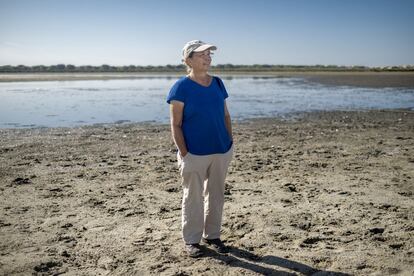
pixel 217 245
pixel 193 250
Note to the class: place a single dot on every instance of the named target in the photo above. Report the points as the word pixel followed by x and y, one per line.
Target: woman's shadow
pixel 247 260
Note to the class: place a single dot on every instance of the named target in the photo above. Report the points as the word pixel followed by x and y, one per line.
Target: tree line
pixel 69 68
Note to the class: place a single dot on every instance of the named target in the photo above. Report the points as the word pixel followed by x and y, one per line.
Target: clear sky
pixel 153 32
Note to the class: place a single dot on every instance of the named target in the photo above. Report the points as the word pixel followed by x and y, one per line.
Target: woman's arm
pixel 227 120
pixel 176 114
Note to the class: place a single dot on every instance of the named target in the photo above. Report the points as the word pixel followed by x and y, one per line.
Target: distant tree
pixel 85 68
pixel 61 67
pixel 105 68
pixel 180 68
pixel 140 68
pixel 23 68
pixel 52 68
pixel 70 68
pixel 39 68
pixel 7 69
pixel 131 68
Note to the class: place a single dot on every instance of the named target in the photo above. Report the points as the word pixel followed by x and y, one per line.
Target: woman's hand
pixel 176 114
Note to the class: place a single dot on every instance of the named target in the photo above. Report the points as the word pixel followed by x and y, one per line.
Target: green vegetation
pixel 68 68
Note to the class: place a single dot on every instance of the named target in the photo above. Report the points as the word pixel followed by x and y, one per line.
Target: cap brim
pixel 205 47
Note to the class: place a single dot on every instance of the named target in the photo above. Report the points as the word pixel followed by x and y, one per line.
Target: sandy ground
pixel 325 192
pixel 360 79
pixel 373 80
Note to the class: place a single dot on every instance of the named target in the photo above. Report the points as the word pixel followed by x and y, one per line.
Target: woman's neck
pixel 200 75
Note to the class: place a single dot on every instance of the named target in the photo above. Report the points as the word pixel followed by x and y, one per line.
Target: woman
pixel 201 129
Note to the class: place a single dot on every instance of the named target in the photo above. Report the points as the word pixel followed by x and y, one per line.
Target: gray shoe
pixel 217 245
pixel 193 250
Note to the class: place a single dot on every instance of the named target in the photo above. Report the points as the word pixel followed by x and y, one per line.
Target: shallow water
pixel 74 103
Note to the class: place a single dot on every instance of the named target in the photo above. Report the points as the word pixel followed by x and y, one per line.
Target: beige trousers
pixel 203 179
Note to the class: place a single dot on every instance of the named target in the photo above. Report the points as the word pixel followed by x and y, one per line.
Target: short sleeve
pixel 222 88
pixel 176 93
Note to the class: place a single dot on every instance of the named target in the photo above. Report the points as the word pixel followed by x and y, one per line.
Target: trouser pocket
pixel 184 163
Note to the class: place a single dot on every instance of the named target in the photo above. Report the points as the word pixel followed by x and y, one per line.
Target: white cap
pixel 196 46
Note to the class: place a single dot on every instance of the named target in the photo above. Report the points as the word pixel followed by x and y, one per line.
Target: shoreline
pixel 325 192
pixel 362 79
pixel 289 117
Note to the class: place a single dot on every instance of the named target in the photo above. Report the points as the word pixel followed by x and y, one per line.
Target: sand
pixel 322 194
pixel 369 79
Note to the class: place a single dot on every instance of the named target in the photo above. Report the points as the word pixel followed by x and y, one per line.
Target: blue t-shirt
pixel 203 121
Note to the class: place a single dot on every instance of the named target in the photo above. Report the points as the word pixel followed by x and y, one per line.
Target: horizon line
pixel 216 65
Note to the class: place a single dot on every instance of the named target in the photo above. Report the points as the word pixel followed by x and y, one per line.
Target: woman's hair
pixel 188 67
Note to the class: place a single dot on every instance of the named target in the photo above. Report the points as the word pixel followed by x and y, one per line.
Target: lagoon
pixel 87 102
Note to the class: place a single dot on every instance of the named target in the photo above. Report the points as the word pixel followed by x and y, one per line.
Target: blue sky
pixel 364 32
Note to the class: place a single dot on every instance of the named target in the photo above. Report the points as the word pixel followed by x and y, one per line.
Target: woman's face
pixel 201 60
